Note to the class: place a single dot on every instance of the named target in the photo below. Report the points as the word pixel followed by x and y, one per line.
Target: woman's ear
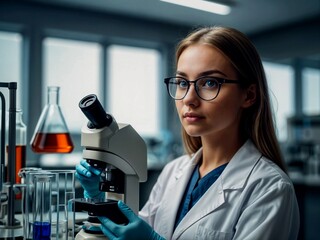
pixel 250 96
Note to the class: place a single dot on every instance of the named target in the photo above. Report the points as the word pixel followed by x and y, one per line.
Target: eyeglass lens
pixel 206 88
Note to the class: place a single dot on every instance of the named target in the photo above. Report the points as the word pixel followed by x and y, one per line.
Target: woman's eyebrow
pixel 209 72
pixel 181 73
pixel 205 73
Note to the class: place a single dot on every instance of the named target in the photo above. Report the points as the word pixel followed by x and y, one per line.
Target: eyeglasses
pixel 207 87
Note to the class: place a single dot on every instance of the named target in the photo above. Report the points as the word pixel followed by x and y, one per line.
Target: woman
pixel 232 184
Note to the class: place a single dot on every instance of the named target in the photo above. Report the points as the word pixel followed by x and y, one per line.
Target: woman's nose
pixel 191 96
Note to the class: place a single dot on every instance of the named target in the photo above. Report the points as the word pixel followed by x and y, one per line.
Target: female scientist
pixel 232 183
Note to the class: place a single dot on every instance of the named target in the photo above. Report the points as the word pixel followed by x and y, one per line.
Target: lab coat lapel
pixel 198 211
pixel 232 178
pixel 174 195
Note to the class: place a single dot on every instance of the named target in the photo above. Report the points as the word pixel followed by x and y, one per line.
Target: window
pixel 75 67
pixel 133 87
pixel 281 87
pixel 10 63
pixel 311 91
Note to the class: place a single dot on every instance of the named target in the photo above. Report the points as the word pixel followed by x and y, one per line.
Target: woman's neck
pixel 217 152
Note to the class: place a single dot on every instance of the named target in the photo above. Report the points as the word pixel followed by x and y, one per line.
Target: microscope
pixel 120 152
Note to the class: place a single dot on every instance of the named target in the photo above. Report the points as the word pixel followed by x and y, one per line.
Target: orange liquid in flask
pixel 52 143
pixel 20 163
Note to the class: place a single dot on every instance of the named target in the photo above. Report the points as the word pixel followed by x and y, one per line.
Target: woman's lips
pixel 192 117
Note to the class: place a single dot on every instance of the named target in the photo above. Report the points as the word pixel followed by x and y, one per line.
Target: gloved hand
pixel 89 178
pixel 136 229
pixel 91 228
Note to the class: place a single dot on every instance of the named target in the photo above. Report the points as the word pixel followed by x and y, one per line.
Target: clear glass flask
pixel 21 142
pixel 51 134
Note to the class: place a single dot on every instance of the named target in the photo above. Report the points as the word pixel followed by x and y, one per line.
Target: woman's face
pixel 216 118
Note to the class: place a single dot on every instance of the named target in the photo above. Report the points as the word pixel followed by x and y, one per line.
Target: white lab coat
pixel 252 199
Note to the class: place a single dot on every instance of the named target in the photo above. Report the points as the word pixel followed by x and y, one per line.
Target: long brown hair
pixel 257 121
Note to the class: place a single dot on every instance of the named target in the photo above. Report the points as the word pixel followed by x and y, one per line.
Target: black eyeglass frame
pixel 218 79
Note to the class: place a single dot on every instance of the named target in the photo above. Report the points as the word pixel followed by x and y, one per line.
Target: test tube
pixel 42 207
pixel 27 192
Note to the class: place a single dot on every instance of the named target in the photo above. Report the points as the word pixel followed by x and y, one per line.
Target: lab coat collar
pixel 182 176
pixel 238 170
pixel 233 177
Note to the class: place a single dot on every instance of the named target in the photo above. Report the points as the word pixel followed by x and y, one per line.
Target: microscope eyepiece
pixel 93 110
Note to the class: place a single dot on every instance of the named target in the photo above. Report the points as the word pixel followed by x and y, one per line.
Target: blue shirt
pixel 195 190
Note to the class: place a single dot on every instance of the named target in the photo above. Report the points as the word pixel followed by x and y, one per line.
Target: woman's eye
pixel 183 84
pixel 209 83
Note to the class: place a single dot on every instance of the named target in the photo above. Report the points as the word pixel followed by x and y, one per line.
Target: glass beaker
pixel 51 134
pixel 62 185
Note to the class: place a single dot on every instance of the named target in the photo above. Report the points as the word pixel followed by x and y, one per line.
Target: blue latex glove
pixel 136 229
pixel 89 178
pixel 91 228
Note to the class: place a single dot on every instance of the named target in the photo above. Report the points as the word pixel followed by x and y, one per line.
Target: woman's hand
pixel 136 229
pixel 89 178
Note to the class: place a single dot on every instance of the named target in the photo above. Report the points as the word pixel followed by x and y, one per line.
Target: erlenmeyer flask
pixel 51 134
